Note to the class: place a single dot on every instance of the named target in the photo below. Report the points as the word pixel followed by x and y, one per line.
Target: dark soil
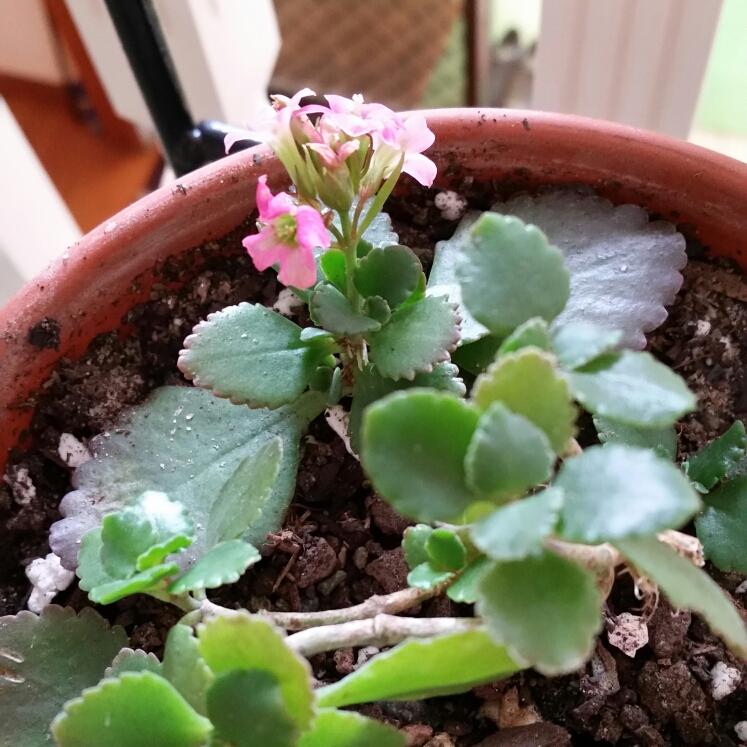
pixel 340 543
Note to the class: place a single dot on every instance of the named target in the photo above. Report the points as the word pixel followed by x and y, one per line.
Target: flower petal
pixel 298 268
pixel 416 136
pixel 310 229
pixel 264 249
pixel 236 137
pixel 420 168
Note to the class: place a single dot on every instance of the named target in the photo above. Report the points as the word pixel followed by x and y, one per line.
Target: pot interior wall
pixel 100 278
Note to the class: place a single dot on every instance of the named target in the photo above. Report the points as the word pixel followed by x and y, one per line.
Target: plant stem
pixel 381 630
pixel 381 198
pixel 391 604
pixel 349 247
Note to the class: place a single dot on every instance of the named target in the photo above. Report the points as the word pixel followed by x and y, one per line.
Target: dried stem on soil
pixel 381 630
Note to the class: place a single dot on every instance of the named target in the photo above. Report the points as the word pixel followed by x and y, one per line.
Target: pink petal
pixel 263 198
pixel 298 268
pixel 329 158
pixel 417 137
pixel 310 229
pixel 340 104
pixel 302 94
pixel 347 149
pixel 420 168
pixel 280 204
pixel 263 248
pixel 235 137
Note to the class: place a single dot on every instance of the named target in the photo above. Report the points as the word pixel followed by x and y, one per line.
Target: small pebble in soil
pixel 740 730
pixel 724 680
pixel 72 452
pixel 451 204
pixel 629 633
pixel 48 578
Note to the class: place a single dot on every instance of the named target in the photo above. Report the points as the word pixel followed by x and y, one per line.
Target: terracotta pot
pixel 102 276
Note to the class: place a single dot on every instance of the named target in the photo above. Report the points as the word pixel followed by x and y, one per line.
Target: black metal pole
pixel 162 96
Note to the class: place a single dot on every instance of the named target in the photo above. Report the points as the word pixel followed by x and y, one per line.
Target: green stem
pixel 381 198
pixel 349 247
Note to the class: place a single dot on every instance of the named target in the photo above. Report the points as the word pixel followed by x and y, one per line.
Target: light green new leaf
pixel 371 386
pixel 687 587
pixel 224 564
pixel 128 660
pixel 579 343
pixel 510 273
pixel 414 445
pixel 149 580
pixel 464 589
pixel 632 388
pixel 247 710
pixel 245 494
pixel 527 383
pixel 186 443
pixel 143 534
pixel 722 527
pixel 546 609
pixel 136 710
pixel 517 530
pixel 251 355
pixel 46 660
pixel 446 550
pixel 416 339
pixel 713 463
pixel 661 440
pixel 534 332
pixel 330 309
pixel 621 491
pixel 245 642
pixel 377 308
pixel 413 544
pixel 507 455
pixel 332 263
pixel 424 668
pixel 333 728
pixel 391 273
pixel 426 576
pixel 185 669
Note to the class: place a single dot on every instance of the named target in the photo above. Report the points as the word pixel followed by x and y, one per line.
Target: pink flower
pixel 355 118
pixel 288 236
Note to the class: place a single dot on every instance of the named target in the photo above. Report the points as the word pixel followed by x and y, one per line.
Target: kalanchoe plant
pixel 514 516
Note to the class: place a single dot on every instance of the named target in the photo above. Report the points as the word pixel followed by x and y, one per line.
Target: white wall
pixel 28 47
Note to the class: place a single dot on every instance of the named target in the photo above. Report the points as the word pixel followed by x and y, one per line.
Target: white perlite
pixel 287 301
pixel 48 577
pixel 741 731
pixel 629 634
pixel 451 204
pixel 724 680
pixel 72 451
pixel 21 485
pixel 338 419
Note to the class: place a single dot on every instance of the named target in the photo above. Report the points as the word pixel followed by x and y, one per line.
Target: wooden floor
pixel 95 178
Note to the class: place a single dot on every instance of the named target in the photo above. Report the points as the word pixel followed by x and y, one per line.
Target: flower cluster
pixel 352 151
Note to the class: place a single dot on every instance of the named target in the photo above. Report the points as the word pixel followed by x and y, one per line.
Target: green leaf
pixel 713 463
pixel 413 544
pixel 526 382
pixel 464 589
pixel 250 643
pixel 662 441
pixel 211 438
pixel 546 609
pixel 370 386
pixel 517 530
pixel 579 343
pixel 245 494
pixel 247 710
pixel 141 536
pixel 136 710
pixel 419 293
pixel 617 491
pixel 442 280
pixel 128 660
pixel 185 669
pixel 414 444
pixel 332 263
pixel 334 728
pixel 46 660
pixel 377 308
pixel 507 455
pixel 379 233
pixel 330 309
pixel 632 388
pixel 90 570
pixel 446 550
pixel 687 587
pixel 426 576
pixel 722 527
pixel 148 580
pixel 416 339
pixel 224 564
pixel 392 273
pixel 534 332
pixel 251 355
pixel 424 668
pixel 510 273
pixel 475 357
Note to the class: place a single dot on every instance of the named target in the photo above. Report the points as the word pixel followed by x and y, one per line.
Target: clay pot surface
pixel 90 288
